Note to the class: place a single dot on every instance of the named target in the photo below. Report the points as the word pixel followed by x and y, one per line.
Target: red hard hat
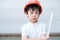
pixel 33 2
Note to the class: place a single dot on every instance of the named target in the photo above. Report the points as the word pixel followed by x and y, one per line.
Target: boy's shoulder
pixel 25 26
pixel 41 23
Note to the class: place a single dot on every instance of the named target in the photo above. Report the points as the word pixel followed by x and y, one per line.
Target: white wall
pixel 12 16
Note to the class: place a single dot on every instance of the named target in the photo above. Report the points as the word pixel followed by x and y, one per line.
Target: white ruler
pixel 49 27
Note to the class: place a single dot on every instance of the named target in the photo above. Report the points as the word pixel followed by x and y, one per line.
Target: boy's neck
pixel 33 22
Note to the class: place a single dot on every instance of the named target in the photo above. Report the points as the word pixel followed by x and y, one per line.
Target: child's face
pixel 33 15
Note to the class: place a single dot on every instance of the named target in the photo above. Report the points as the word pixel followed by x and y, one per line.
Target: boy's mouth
pixel 34 18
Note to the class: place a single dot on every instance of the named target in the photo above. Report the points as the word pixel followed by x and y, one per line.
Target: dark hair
pixel 32 6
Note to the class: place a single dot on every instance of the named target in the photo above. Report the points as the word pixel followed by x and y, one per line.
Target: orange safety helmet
pixel 33 2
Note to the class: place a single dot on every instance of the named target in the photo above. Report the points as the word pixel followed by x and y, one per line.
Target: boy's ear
pixel 26 14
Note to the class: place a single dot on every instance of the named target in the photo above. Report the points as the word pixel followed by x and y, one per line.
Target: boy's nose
pixel 34 14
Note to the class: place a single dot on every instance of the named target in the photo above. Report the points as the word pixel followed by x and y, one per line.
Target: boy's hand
pixel 44 38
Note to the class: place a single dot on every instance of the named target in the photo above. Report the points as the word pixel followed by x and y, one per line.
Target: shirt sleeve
pixel 44 29
pixel 23 31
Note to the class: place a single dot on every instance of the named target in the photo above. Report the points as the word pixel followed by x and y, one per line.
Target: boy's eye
pixel 36 13
pixel 31 13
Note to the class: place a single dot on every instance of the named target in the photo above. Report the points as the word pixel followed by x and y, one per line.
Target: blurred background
pixel 12 18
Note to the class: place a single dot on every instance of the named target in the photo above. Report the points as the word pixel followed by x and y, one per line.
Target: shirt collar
pixel 33 23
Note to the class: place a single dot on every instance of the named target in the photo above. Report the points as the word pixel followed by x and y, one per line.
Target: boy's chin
pixel 34 21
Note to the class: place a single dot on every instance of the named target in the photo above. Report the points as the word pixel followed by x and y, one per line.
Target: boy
pixel 33 30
